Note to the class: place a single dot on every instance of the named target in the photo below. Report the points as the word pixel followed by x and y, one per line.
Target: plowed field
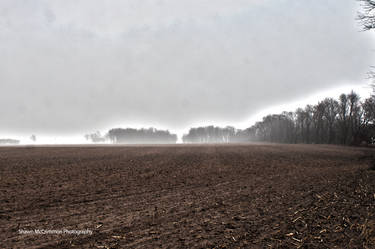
pixel 208 196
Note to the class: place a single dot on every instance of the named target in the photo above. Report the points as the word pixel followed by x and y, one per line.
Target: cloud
pixel 73 66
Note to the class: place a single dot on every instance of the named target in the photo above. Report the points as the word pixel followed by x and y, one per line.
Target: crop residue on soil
pixel 232 196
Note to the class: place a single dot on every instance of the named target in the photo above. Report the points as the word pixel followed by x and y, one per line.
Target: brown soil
pixel 234 196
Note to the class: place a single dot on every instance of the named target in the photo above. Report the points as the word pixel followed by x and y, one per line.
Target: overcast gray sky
pixel 73 66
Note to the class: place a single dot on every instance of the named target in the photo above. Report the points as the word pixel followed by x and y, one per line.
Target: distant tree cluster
pixel 214 134
pixel 95 137
pixel 210 134
pixel 33 138
pixel 9 141
pixel 141 136
pixel 345 121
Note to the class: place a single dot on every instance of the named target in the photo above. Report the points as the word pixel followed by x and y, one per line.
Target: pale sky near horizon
pixel 76 66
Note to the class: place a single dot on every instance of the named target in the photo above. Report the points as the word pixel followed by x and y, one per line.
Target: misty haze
pixel 187 124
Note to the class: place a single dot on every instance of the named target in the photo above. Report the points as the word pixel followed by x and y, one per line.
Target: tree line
pixel 345 121
pixel 134 136
pixel 215 134
pixel 6 141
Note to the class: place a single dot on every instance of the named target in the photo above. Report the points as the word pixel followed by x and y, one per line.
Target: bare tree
pixel 369 110
pixel 318 116
pixel 95 137
pixel 33 138
pixel 367 16
pixel 330 115
pixel 367 20
pixel 343 118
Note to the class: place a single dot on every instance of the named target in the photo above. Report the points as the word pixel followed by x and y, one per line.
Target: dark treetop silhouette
pixel 141 136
